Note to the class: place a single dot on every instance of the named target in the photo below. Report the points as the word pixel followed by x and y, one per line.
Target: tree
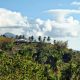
pixel 67 74
pixel 44 39
pixel 48 39
pixel 52 61
pixel 17 37
pixel 32 38
pixel 60 45
pixel 23 37
pixel 20 36
pixel 66 57
pixel 39 39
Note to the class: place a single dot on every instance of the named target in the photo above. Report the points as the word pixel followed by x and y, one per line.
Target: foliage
pixel 38 61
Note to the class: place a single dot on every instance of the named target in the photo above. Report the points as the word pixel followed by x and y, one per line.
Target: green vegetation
pixel 38 60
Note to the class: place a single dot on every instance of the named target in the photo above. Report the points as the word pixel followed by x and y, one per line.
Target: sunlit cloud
pixel 61 26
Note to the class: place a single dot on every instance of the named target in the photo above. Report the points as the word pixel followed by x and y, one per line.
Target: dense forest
pixel 32 59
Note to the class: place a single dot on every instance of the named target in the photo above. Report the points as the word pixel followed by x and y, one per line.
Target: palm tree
pixel 39 39
pixel 54 42
pixel 32 38
pixel 17 37
pixel 48 39
pixel 29 39
pixel 23 37
pixel 20 37
pixel 44 39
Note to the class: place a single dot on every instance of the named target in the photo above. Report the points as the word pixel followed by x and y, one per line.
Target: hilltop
pixel 37 60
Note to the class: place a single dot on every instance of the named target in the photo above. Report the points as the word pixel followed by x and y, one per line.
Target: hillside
pixel 38 61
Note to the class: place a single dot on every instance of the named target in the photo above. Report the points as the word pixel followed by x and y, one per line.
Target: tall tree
pixel 17 37
pixel 32 38
pixel 39 38
pixel 23 37
pixel 48 39
pixel 44 39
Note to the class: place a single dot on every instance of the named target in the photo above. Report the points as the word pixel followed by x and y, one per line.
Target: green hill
pixel 38 61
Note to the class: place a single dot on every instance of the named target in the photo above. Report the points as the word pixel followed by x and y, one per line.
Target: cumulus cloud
pixel 16 23
pixel 61 29
pixel 10 21
pixel 63 26
pixel 9 18
pixel 62 13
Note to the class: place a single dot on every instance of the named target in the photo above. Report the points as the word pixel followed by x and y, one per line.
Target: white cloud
pixel 62 13
pixel 76 3
pixel 9 18
pixel 15 23
pixel 63 26
pixel 10 21
pixel 63 29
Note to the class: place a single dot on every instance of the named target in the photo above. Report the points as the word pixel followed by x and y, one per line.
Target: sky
pixel 59 19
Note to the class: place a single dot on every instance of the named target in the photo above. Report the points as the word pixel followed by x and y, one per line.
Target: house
pixel 20 41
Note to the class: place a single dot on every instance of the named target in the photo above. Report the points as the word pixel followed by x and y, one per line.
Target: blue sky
pixel 34 8
pixel 39 11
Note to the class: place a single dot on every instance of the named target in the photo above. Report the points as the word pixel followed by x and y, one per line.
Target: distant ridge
pixel 9 35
